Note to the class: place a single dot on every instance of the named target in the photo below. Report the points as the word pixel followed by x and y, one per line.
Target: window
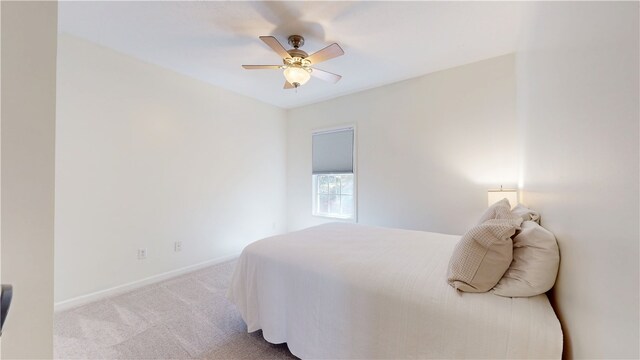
pixel 333 175
pixel 333 195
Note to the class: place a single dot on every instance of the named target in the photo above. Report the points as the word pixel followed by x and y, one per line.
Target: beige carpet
pixel 182 318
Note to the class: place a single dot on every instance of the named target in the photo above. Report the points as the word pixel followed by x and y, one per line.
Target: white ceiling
pixel 384 42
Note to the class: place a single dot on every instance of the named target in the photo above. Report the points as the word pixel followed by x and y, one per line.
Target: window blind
pixel 333 152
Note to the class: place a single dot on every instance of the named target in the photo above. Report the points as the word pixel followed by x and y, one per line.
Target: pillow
pixel 482 255
pixel 498 209
pixel 536 259
pixel 525 213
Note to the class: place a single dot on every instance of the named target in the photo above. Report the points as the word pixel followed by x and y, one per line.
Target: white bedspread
pixel 354 291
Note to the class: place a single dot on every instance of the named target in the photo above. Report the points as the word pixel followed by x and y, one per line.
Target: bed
pixel 352 291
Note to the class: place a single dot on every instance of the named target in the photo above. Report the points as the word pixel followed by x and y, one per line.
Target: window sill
pixel 345 219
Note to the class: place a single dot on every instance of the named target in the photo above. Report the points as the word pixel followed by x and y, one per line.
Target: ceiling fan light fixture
pixel 297 64
pixel 297 75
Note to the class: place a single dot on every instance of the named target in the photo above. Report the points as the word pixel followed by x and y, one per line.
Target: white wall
pixel 146 157
pixel 27 165
pixel 578 105
pixel 427 148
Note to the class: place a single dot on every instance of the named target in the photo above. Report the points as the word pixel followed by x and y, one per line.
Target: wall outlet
pixel 177 246
pixel 142 254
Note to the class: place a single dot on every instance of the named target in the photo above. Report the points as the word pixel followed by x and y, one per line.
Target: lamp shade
pixel 296 75
pixel 495 195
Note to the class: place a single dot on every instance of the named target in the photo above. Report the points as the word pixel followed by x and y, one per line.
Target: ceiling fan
pixel 297 63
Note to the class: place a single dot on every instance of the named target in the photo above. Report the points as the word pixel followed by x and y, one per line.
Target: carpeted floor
pixel 182 318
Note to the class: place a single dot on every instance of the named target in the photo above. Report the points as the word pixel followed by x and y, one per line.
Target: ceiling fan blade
pixel 276 46
pixel 256 67
pixel 288 85
pixel 331 51
pixel 325 75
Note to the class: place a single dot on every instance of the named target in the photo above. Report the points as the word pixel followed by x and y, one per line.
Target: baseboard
pixel 121 289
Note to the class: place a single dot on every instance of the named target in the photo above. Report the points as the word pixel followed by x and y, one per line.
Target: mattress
pixel 352 291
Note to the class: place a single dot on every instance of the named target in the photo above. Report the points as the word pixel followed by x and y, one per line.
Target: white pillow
pixel 482 255
pixel 497 210
pixel 534 268
pixel 525 213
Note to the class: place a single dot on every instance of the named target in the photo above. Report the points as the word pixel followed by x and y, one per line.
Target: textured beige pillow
pixel 497 210
pixel 525 213
pixel 482 255
pixel 536 259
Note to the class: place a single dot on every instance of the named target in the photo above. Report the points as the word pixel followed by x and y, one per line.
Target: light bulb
pixel 296 75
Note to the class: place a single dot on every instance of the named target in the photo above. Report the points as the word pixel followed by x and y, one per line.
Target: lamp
pixel 296 75
pixel 495 195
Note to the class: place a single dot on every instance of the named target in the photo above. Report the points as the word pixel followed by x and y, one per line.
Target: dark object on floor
pixel 5 301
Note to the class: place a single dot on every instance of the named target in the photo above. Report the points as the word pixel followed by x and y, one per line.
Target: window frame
pixel 314 195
